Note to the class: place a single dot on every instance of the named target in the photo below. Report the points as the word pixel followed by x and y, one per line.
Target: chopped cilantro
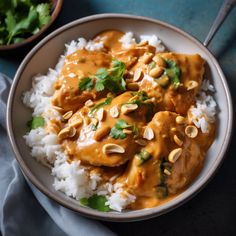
pixel 118 68
pixel 97 106
pixel 173 72
pixel 135 130
pixel 111 79
pixel 117 131
pixel 162 190
pixel 152 65
pixel 143 156
pixel 21 19
pixel 43 10
pixel 86 84
pixel 94 127
pixel 35 122
pixel 96 202
pixel 141 96
pixel 121 124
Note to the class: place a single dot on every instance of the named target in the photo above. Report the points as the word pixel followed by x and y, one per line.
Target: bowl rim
pixel 54 15
pixel 132 215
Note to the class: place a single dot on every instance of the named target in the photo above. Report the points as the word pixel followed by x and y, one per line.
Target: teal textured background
pixel 213 211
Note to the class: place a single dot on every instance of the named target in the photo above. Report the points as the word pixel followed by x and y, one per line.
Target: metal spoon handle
pixel 224 10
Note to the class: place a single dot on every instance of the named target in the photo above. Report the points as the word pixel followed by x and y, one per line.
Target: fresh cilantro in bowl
pixel 20 19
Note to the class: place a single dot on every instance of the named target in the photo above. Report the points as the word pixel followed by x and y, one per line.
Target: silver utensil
pixel 224 11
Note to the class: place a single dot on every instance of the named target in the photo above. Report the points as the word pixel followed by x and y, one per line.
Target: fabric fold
pixel 26 211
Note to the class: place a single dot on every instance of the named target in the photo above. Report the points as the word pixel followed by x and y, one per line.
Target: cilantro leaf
pixel 173 72
pixel 117 131
pixel 96 202
pixel 121 124
pixel 111 79
pixel 19 19
pixel 43 10
pixel 143 156
pixel 10 21
pixel 140 98
pixel 86 84
pixel 118 68
pixel 27 24
pixel 94 127
pixel 35 122
pixel 102 73
pixel 97 106
pixel 152 65
pixel 99 86
pixel 135 130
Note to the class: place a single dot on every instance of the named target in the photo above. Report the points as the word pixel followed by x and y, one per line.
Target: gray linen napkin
pixel 26 211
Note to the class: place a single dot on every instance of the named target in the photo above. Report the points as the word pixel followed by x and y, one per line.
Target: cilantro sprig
pixel 106 79
pixel 21 19
pixel 96 202
pixel 86 83
pixel 143 156
pixel 140 98
pixel 173 72
pixel 162 189
pixel 97 106
pixel 111 79
pixel 35 122
pixel 117 131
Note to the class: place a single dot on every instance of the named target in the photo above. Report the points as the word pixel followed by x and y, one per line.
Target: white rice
pixel 128 41
pixel 74 179
pixel 204 110
pixel 154 41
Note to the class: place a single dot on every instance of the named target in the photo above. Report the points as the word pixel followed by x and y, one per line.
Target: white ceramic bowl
pixel 46 54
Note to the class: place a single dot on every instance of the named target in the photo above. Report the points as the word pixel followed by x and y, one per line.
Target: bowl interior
pixel 45 55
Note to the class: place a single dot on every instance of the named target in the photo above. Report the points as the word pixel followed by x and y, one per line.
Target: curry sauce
pixel 126 114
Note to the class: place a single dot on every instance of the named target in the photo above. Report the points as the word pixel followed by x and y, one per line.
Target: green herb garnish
pixel 86 84
pixel 152 65
pixel 117 133
pixel 21 19
pixel 121 124
pixel 35 122
pixel 141 97
pixel 162 190
pixel 173 72
pixel 135 130
pixel 94 127
pixel 96 202
pixel 111 79
pixel 143 156
pixel 117 130
pixel 97 106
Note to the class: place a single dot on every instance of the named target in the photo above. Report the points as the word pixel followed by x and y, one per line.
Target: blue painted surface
pixel 213 211
pixel 193 16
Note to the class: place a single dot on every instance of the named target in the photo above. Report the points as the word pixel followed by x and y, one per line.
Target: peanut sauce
pixel 157 179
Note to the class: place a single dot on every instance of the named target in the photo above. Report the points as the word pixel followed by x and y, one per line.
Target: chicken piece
pixel 78 65
pixel 159 175
pixel 167 96
pixel 93 132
